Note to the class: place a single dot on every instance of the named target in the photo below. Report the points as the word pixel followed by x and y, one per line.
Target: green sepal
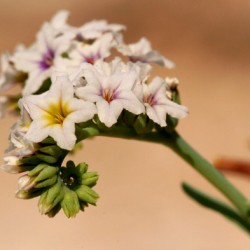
pixel 52 150
pixel 44 87
pixel 128 118
pixel 22 194
pixel 54 211
pixel 33 160
pixel 47 182
pixel 171 123
pixel 47 158
pixel 143 124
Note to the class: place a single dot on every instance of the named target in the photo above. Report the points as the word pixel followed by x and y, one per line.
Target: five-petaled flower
pixel 56 112
pixel 158 105
pixel 143 52
pixel 40 60
pixel 111 90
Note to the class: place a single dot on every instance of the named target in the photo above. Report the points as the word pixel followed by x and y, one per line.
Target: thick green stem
pixel 206 169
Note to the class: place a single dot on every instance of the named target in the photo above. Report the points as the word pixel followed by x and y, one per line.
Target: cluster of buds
pixel 69 188
pixel 78 82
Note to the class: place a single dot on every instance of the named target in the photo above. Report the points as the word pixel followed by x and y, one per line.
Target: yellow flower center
pixel 56 113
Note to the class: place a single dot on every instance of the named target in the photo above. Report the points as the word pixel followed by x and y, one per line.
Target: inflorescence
pixel 78 82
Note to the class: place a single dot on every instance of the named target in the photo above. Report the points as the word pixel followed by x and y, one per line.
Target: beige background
pixel 142 205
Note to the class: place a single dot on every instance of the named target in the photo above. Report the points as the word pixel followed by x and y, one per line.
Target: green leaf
pixel 216 205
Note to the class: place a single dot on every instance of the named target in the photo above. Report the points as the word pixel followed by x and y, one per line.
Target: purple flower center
pixel 47 59
pixel 92 58
pixel 150 99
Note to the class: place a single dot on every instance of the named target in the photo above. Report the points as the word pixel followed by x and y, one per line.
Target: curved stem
pixel 186 152
pixel 200 164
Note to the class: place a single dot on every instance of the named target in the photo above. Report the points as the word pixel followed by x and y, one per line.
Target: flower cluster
pixel 78 82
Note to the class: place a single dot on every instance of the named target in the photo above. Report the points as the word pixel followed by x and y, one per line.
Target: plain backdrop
pixel 142 205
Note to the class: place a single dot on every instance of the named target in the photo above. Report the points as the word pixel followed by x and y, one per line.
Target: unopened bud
pixel 87 194
pixel 70 203
pixel 51 197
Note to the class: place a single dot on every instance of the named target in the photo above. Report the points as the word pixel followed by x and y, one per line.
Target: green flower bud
pixel 47 158
pixel 50 154
pixel 33 160
pixel 52 150
pixel 83 167
pixel 51 198
pixel 47 182
pixel 37 169
pixel 29 194
pixel 70 203
pixel 87 194
pixel 47 173
pixel 40 177
pixel 90 179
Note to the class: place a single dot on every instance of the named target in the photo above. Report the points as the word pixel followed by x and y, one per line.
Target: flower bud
pixel 47 173
pixel 83 167
pixel 51 198
pixel 50 154
pixel 90 179
pixel 70 203
pixel 87 194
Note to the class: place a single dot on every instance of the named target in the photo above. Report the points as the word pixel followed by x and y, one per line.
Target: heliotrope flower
pixel 19 146
pixel 96 28
pixel 143 52
pixel 111 92
pixel 158 105
pixel 9 75
pixel 90 53
pixel 40 60
pixel 56 112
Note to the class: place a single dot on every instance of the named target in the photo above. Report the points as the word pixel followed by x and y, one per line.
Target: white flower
pixel 19 146
pixel 111 92
pixel 97 28
pixel 9 76
pixel 142 52
pixel 12 164
pixel 40 60
pixel 59 20
pixel 56 112
pixel 90 53
pixel 158 105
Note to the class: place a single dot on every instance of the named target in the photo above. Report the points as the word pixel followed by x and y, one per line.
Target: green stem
pixel 206 169
pixel 186 152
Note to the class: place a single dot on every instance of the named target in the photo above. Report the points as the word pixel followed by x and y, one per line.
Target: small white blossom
pixel 12 164
pixel 56 112
pixel 90 53
pixel 111 92
pixel 142 52
pixel 19 145
pixel 158 105
pixel 9 75
pixel 40 60
pixel 97 28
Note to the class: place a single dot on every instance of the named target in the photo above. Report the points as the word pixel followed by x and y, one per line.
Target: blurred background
pixel 142 205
